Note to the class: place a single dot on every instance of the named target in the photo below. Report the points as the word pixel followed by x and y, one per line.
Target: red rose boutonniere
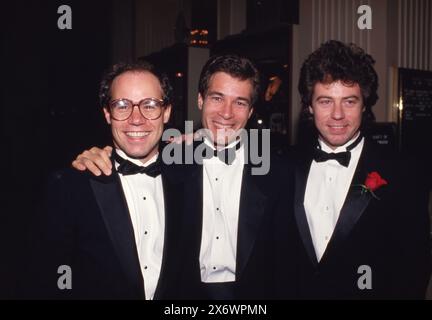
pixel 372 183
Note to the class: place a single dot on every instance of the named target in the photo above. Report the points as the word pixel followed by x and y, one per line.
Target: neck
pixel 143 159
pixel 149 156
pixel 347 143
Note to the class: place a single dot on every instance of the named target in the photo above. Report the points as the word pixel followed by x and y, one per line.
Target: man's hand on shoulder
pixel 95 160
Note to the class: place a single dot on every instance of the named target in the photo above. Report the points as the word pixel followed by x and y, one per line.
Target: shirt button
pixel 145 267
pixel 326 238
pixel 144 198
pixel 214 268
pixel 217 238
pixel 217 209
pixel 217 179
pixel 145 232
pixel 326 208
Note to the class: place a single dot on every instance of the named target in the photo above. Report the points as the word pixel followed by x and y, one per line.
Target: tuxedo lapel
pixel 252 205
pixel 301 177
pixel 113 206
pixel 354 206
pixel 194 210
pixel 169 236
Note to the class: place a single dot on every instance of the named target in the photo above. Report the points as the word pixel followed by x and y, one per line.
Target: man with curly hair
pixel 361 218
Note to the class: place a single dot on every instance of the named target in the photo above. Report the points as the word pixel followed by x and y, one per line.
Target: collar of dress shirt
pixel 239 152
pixel 342 148
pixel 211 144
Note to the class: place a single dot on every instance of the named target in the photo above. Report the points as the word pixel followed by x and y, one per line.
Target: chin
pixel 339 142
pixel 136 154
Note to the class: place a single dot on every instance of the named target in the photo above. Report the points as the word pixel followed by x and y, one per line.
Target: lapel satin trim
pixel 169 190
pixel 300 213
pixel 113 206
pixel 193 195
pixel 251 211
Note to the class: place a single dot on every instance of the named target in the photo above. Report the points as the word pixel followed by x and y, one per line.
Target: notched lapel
pixel 113 206
pixel 252 207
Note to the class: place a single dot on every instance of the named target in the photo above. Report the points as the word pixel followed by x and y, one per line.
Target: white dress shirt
pixel 145 200
pixel 221 203
pixel 327 187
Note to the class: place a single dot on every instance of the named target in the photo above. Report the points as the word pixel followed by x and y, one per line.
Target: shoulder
pixel 406 170
pixel 282 161
pixel 390 160
pixel 72 179
pixel 274 174
pixel 70 174
pixel 178 173
pixel 175 161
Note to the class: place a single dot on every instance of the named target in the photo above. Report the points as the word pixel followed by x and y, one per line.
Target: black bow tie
pixel 128 168
pixel 342 157
pixel 227 155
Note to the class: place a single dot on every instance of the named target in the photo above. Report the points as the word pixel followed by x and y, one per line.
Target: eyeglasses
pixel 150 108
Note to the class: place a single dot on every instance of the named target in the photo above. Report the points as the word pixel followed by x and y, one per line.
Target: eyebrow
pixel 352 97
pixel 344 98
pixel 210 93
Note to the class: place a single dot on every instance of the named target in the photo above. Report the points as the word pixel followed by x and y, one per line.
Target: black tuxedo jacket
pixel 389 235
pixel 261 197
pixel 85 224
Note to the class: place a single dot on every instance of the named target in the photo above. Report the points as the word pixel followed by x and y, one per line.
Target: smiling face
pixel 226 106
pixel 137 137
pixel 337 110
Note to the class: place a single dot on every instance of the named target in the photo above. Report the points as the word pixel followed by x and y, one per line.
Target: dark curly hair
pixel 335 61
pixel 134 66
pixel 237 67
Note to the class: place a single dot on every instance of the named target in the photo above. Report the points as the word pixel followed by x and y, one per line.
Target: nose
pixel 227 110
pixel 136 117
pixel 337 111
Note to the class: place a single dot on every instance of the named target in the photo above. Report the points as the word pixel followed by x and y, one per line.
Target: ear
pixel 250 112
pixel 311 110
pixel 107 115
pixel 200 101
pixel 166 113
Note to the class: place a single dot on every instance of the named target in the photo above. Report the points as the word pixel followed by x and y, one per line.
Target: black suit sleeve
pixel 51 240
pixel 416 243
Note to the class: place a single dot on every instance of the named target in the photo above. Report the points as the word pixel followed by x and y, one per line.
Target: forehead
pixel 136 85
pixel 337 89
pixel 226 84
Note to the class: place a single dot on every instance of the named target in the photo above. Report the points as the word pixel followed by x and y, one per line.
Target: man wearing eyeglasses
pixel 226 238
pixel 110 237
